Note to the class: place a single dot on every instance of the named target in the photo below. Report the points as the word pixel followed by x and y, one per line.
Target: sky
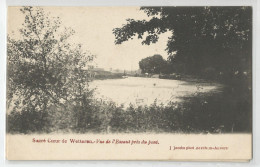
pixel 93 27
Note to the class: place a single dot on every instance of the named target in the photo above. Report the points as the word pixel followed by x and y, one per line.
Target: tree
pixel 154 64
pixel 202 37
pixel 205 42
pixel 44 69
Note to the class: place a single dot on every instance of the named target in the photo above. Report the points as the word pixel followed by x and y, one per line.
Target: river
pixel 144 91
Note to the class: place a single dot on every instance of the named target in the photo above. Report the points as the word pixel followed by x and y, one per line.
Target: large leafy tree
pixel 202 37
pixel 154 64
pixel 44 69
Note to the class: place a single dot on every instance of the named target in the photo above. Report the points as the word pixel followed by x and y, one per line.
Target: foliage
pixel 218 113
pixel 49 88
pixel 219 38
pixel 153 65
pixel 44 69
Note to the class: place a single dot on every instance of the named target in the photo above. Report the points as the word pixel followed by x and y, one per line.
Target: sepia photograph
pixel 160 70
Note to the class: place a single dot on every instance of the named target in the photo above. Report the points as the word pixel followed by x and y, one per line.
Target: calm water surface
pixel 144 91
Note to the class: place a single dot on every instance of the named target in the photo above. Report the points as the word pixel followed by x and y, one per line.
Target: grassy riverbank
pixel 108 76
pixel 226 111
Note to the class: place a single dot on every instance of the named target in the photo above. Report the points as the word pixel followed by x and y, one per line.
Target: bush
pixel 229 111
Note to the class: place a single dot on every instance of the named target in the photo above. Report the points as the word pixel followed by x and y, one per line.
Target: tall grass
pixel 226 112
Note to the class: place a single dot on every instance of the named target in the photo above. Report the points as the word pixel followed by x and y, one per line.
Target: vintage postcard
pixel 129 83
